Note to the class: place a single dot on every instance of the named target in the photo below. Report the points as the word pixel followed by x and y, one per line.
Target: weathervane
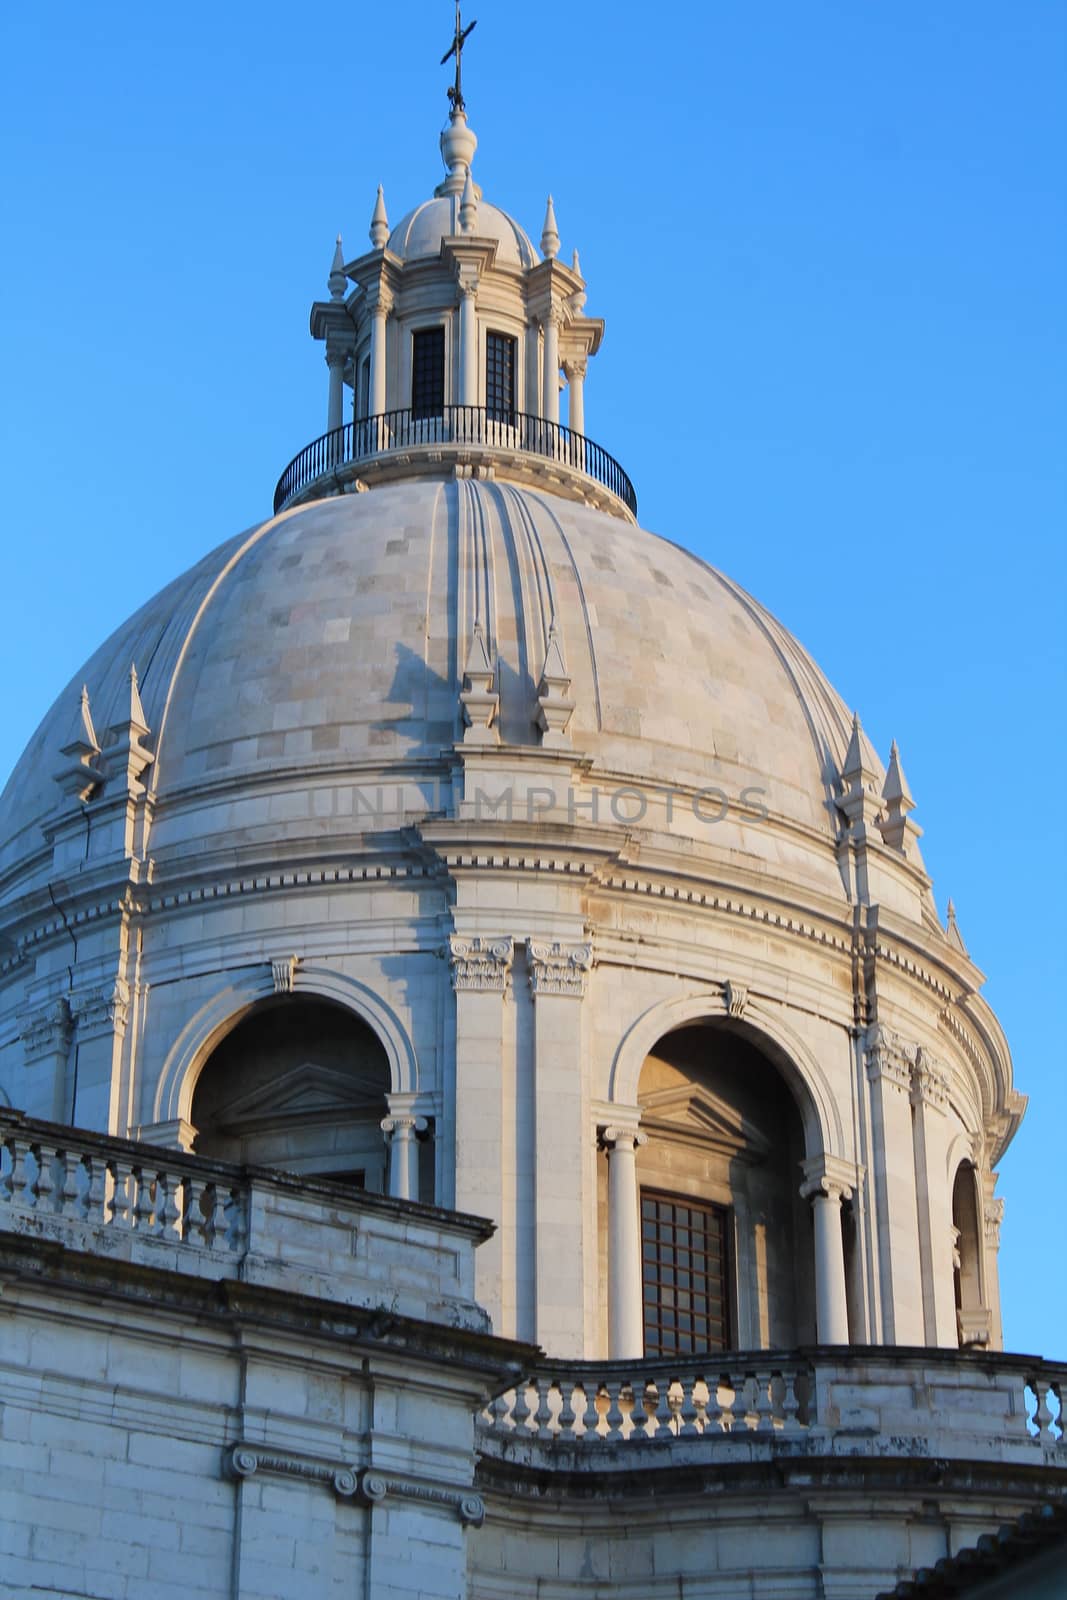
pixel 455 94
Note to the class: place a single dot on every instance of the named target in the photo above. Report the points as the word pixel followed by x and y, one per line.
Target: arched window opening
pixel 972 1316
pixel 301 1085
pixel 727 1250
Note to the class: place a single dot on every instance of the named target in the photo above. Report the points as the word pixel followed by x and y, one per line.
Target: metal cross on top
pixel 455 94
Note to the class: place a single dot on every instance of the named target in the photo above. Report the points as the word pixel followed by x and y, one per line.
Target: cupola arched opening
pixel 972 1314
pixel 300 1084
pixel 726 1239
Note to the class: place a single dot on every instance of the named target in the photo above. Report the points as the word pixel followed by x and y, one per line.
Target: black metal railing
pixel 453 425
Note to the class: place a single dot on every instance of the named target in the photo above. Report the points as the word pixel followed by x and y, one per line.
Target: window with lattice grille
pixel 500 376
pixel 684 1270
pixel 428 372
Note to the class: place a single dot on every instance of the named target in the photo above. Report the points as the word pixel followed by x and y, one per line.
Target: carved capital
pixel 283 972
pixel 407 1126
pixel 929 1082
pixel 559 968
pixel 828 1176
pixel 46 1032
pixel 890 1059
pixel 615 1137
pixel 993 1216
pixel 482 964
pixel 102 1011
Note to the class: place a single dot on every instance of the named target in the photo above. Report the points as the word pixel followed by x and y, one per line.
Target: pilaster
pixel 929 1101
pixel 889 1063
pixel 564 1165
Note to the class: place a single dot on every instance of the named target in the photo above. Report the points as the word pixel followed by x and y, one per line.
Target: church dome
pixel 419 234
pixel 335 638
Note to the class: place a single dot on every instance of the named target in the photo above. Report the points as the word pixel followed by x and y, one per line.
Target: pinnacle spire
pixel 337 280
pixel 894 825
pixel 379 222
pixel 955 937
pixel 550 233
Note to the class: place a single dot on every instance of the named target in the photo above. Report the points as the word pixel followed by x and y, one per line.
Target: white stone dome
pixel 419 234
pixel 332 640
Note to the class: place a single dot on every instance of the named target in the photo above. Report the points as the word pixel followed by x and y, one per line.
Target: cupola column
pixel 468 342
pixel 335 360
pixel 379 313
pixel 575 371
pixel 533 369
pixel 826 1189
pixel 550 397
pixel 626 1333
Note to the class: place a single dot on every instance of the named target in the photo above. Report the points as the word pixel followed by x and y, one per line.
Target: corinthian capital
pixel 558 968
pixel 890 1058
pixel 479 963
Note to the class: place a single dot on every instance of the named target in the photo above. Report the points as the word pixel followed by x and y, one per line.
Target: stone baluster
pixel 664 1413
pixel 712 1409
pixel 590 1414
pixel 142 1211
pixel 689 1412
pixel 96 1190
pixel 43 1182
pixel 121 1193
pixel 543 1414
pixel 521 1409
pixel 69 1193
pixel 728 1413
pixel 615 1417
pixel 566 1411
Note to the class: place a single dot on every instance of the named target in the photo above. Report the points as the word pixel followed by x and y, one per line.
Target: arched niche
pixel 972 1314
pixel 727 1250
pixel 300 1084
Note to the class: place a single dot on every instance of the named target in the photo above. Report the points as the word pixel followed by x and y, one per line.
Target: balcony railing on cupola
pixel 472 438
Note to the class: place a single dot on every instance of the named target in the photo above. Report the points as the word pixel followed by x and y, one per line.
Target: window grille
pixel 428 372
pixel 684 1269
pixel 500 376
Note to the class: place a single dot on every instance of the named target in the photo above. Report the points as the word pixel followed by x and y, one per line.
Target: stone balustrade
pixel 163 1208
pixel 949 1404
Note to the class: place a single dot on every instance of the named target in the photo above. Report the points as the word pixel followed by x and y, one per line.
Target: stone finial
pixel 955 937
pixel 897 801
pixel 124 755
pixel 576 265
pixel 478 698
pixel 458 144
pixel 337 282
pixel 80 774
pixel 468 206
pixel 379 222
pixel 554 704
pixel 550 233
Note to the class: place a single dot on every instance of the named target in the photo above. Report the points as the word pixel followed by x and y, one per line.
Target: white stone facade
pixel 459 842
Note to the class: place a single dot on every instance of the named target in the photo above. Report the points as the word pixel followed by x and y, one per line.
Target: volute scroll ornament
pixel 480 964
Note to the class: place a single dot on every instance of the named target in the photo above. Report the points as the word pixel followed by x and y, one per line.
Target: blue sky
pixel 830 244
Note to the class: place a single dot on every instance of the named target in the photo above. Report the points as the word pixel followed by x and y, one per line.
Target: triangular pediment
pixel 691 1112
pixel 307 1091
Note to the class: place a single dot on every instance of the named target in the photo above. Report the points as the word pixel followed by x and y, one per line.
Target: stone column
pixel 831 1298
pixel 564 1174
pixel 379 312
pixel 992 1217
pixel 533 369
pixel 550 391
pixel 468 341
pixel 335 413
pixel 575 371
pixel 929 1100
pixel 889 1065
pixel 626 1325
pixel 401 1135
pixel 481 973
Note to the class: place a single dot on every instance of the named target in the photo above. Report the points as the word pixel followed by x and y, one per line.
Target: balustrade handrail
pixel 772 1395
pixel 389 431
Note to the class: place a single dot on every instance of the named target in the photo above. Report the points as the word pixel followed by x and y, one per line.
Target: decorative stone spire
pixel 80 775
pixel 859 775
pixel 896 796
pixel 550 233
pixel 955 937
pixel 379 222
pixel 337 282
pixel 124 754
pixel 468 206
pixel 479 701
pixel 554 705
